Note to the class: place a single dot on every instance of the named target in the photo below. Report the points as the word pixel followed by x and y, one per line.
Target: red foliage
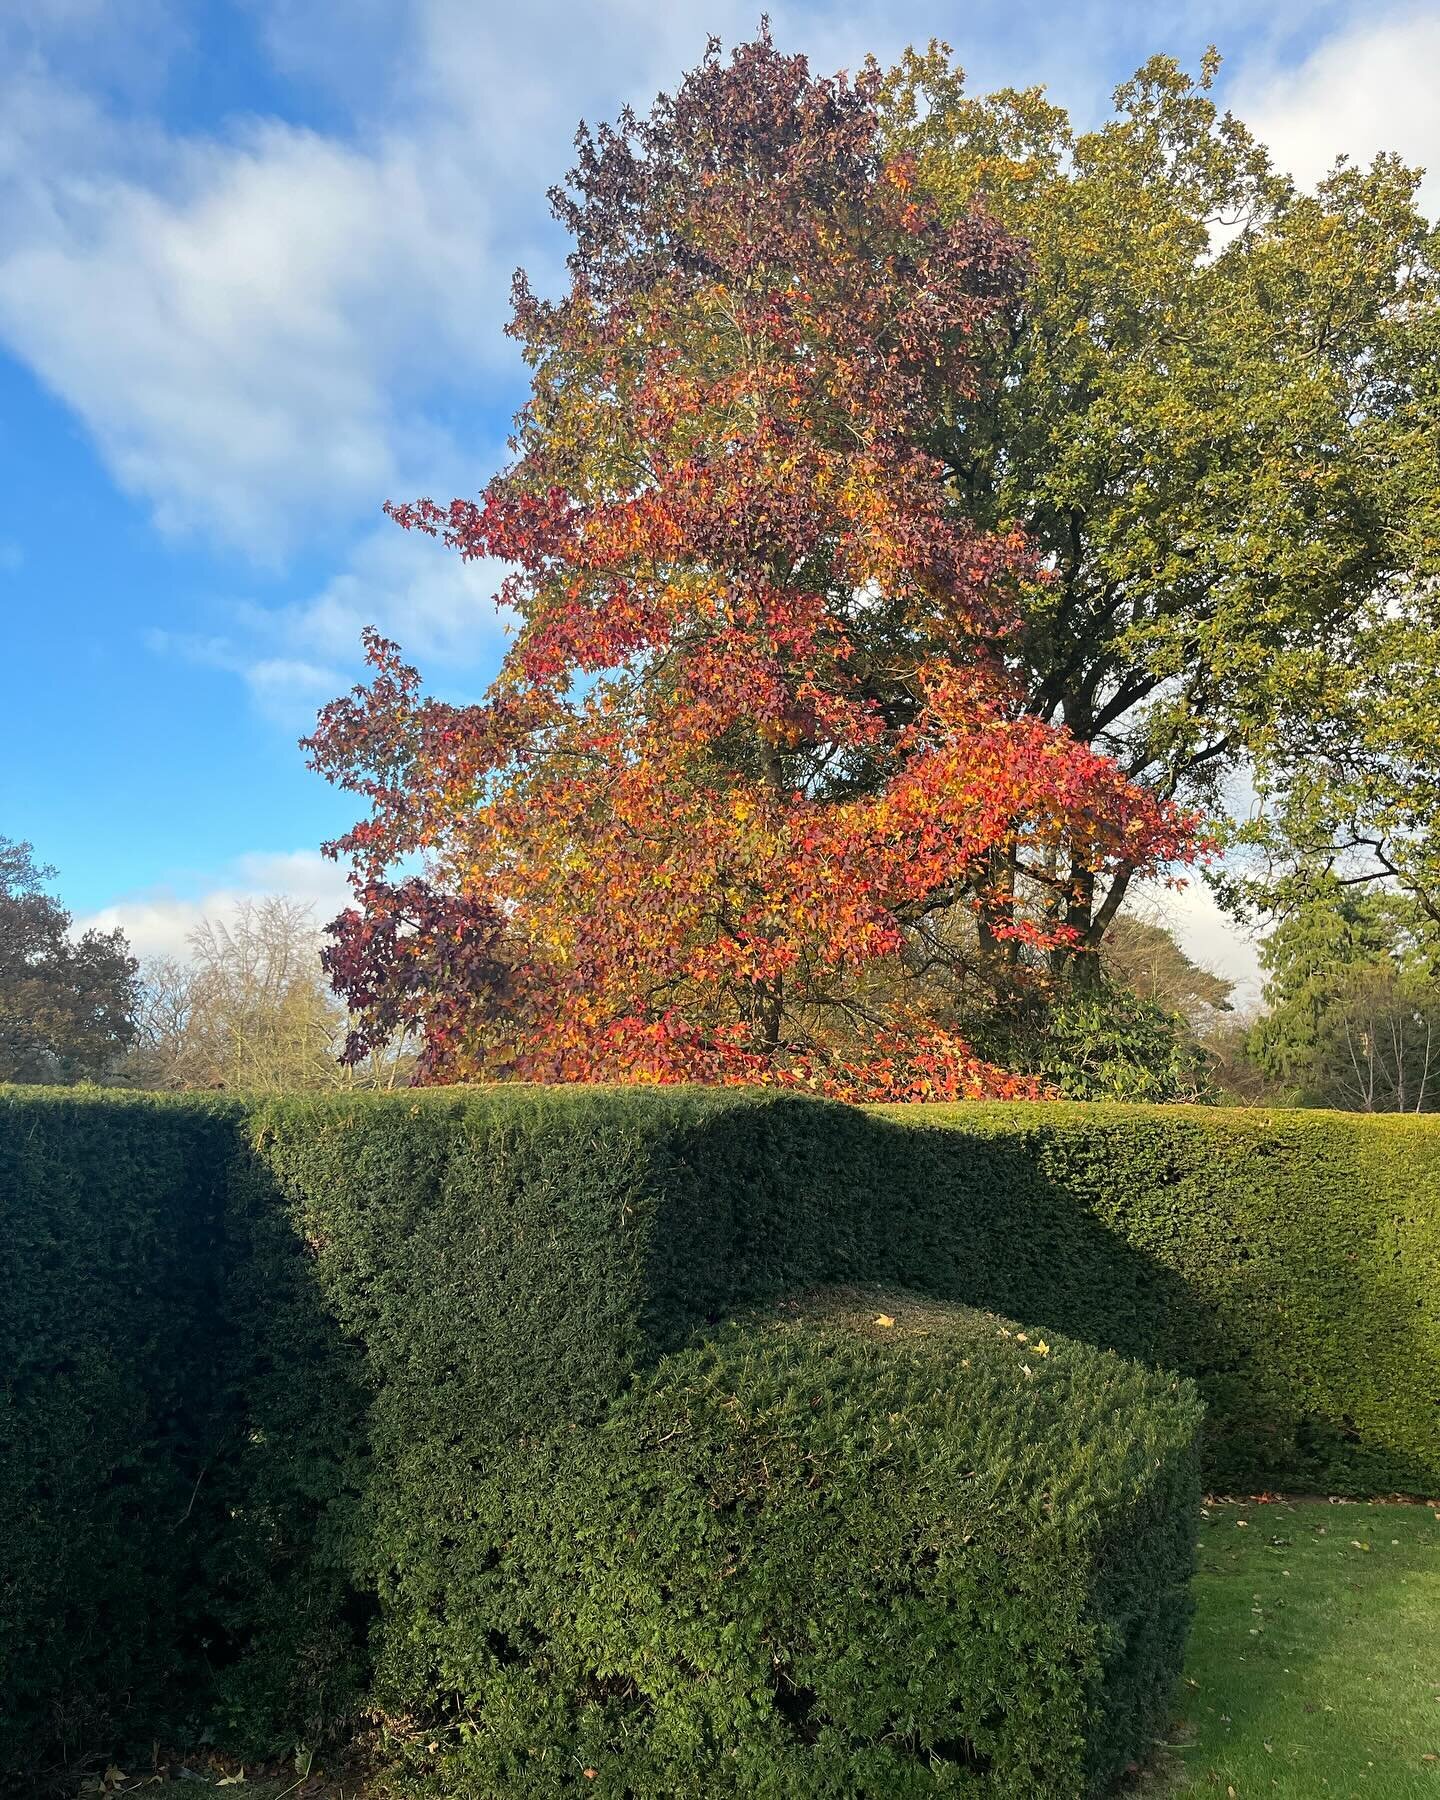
pixel 756 725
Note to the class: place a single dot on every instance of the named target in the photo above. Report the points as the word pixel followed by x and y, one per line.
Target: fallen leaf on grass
pixel 883 1319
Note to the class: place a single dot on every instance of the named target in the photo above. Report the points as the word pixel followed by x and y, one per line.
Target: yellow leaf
pixel 1040 1347
pixel 883 1319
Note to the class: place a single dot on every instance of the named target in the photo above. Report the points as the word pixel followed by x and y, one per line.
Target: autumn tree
pixel 1216 416
pixel 757 741
pixel 67 1004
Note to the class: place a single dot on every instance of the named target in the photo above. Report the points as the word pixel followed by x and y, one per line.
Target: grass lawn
pixel 1314 1666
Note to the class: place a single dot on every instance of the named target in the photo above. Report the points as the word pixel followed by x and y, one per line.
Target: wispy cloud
pixel 158 921
pixel 1369 87
pixel 250 343
pixel 293 658
pixel 268 329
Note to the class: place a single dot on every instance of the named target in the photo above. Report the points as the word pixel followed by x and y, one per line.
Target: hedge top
pixel 1051 1434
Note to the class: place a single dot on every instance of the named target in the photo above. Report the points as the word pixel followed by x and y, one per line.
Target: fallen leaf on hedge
pixel 883 1319
pixel 1040 1347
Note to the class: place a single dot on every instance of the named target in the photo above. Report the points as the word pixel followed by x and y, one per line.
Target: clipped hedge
pixel 108 1274
pixel 867 1545
pixel 181 1441
pixel 263 1362
pixel 1288 1261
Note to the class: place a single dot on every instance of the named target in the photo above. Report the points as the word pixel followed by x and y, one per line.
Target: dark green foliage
pixel 271 1367
pixel 109 1270
pixel 67 1002
pixel 179 1438
pixel 1103 1042
pixel 816 1554
pixel 1288 1261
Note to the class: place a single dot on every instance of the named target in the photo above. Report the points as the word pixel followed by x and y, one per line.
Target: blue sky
pixel 254 265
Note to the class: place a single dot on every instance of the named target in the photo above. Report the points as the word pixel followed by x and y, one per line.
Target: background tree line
pixel 1351 1013
pixel 248 1009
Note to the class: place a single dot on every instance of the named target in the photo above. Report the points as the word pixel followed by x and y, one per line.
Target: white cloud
pixel 256 325
pixel 1369 87
pixel 249 335
pixel 410 587
pixel 294 658
pixel 159 922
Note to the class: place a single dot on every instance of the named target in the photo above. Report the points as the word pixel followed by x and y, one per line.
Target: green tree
pixel 67 1005
pixel 1353 787
pixel 1353 1003
pixel 1099 1041
pixel 1218 420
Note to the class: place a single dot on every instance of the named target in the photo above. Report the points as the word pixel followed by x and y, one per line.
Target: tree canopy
pixel 922 512
pixel 1216 418
pixel 1353 1015
pixel 758 737
pixel 67 1004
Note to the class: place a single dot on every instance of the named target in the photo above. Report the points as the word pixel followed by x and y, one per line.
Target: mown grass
pixel 1314 1665
pixel 1313 1674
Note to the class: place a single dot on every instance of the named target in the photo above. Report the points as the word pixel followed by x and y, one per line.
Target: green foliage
pixel 862 1546
pixel 1288 1261
pixel 1225 445
pixel 1353 1002
pixel 108 1219
pixel 178 1425
pixel 1113 1044
pixel 67 1005
pixel 1103 1041
pixel 274 1367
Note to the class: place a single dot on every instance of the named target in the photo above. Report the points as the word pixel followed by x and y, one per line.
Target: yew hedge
pixel 264 1365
